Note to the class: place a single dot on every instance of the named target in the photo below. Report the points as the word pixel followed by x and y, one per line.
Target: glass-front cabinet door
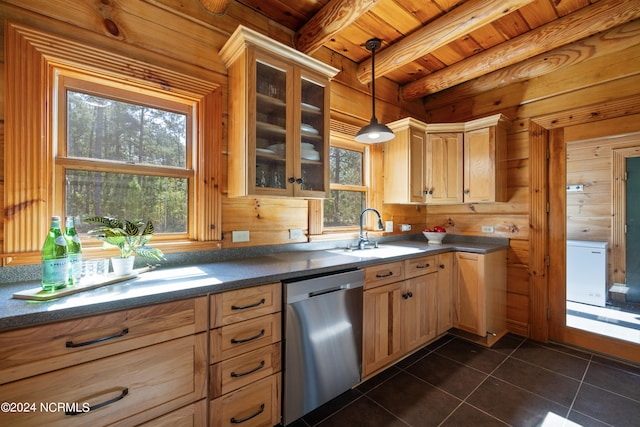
pixel 278 118
pixel 268 134
pixel 313 177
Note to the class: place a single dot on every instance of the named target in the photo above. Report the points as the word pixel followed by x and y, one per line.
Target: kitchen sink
pixel 382 251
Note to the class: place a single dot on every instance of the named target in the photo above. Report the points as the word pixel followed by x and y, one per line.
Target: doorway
pixel 585 206
pixel 633 229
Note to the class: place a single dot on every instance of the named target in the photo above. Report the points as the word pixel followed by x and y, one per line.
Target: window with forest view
pixel 127 158
pixel 348 189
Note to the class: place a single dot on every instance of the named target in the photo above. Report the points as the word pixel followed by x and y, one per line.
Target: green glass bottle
pixel 74 251
pixel 55 264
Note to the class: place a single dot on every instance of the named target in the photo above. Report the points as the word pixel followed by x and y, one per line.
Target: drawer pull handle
pixel 407 295
pixel 71 344
pixel 423 266
pixel 244 307
pixel 255 337
pixel 100 405
pixel 251 371
pixel 241 420
pixel 382 276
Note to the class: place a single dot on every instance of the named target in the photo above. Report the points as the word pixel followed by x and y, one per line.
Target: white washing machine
pixel 587 272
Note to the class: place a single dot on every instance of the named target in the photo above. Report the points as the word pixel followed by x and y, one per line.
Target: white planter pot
pixel 122 266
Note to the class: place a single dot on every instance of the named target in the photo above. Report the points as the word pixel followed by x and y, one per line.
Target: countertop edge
pixel 47 312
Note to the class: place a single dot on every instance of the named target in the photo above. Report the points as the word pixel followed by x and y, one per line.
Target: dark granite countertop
pixel 169 284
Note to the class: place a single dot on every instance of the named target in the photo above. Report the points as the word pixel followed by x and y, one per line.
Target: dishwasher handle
pixel 328 291
pixel 323 285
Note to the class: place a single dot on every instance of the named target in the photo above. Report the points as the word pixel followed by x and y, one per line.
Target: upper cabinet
pixel 404 162
pixel 444 163
pixel 278 118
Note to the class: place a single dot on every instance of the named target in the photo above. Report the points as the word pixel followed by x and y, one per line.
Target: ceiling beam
pixel 330 20
pixel 459 22
pixel 597 17
pixel 600 44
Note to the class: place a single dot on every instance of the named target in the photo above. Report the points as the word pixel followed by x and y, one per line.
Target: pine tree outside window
pixel 348 185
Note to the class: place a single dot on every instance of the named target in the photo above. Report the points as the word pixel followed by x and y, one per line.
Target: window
pixel 124 154
pixel 158 128
pixel 348 184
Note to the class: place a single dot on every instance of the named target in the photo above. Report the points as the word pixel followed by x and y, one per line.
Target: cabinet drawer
pixel 256 405
pixel 194 415
pixel 231 374
pixel 243 304
pixel 382 274
pixel 233 340
pixel 418 266
pixel 39 349
pixel 132 387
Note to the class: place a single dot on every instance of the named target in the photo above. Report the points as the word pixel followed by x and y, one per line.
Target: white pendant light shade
pixel 374 132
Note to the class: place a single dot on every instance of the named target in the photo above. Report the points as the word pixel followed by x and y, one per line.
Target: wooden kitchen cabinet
pixel 279 118
pixel 399 317
pixel 446 163
pixel 130 367
pixel 245 356
pixel 404 162
pixel 444 292
pixel 480 295
pixel 485 165
pixel 443 167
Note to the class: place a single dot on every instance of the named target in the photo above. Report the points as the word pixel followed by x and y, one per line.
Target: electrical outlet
pixel 487 228
pixel 295 233
pixel 575 188
pixel 240 236
pixel 388 226
pixel 405 227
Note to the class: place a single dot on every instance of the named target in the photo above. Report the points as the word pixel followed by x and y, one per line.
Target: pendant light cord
pixel 373 81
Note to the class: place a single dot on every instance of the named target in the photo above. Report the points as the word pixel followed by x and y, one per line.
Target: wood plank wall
pixel 586 94
pixel 185 32
pixel 152 29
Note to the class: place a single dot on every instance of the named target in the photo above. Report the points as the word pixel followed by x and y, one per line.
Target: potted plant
pixel 130 237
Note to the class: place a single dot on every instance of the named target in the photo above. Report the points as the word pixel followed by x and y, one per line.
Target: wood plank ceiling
pixel 431 45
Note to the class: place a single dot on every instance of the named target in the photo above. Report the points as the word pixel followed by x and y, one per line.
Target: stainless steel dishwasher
pixel 323 340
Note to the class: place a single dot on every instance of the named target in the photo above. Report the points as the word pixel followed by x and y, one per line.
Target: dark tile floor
pixel 518 382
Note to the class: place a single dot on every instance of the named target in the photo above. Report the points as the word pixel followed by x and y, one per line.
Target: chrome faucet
pixel 364 238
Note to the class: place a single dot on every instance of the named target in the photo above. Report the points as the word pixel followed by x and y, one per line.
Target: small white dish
pixel 278 148
pixel 310 155
pixel 308 129
pixel 310 107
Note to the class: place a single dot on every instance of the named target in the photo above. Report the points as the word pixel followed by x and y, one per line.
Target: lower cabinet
pixel 401 316
pixel 122 368
pixel 126 388
pixel 480 295
pixel 245 356
pixel 444 292
pixel 193 415
pixel 257 404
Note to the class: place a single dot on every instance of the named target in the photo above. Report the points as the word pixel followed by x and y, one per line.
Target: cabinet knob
pixel 466 191
pixel 291 180
pixel 299 180
pixel 441 266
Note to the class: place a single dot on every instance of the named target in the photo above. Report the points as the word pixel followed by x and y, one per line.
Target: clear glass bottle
pixel 55 264
pixel 74 251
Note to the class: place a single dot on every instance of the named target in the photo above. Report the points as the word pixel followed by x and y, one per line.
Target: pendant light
pixel 374 132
